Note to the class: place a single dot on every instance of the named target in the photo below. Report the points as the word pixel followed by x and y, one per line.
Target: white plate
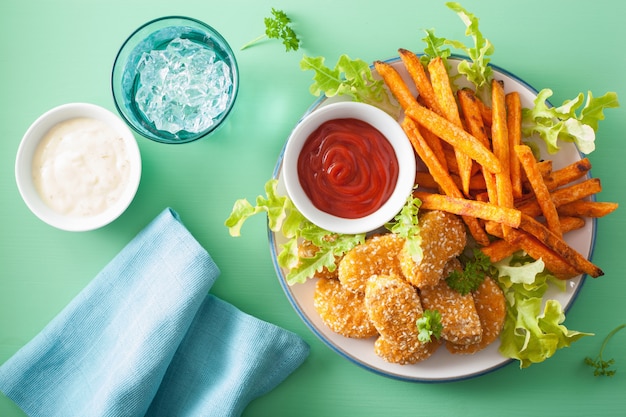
pixel 442 366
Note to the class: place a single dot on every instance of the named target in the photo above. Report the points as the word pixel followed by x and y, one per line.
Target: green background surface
pixel 60 51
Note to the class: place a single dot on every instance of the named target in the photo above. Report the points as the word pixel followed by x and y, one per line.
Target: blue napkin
pixel 145 338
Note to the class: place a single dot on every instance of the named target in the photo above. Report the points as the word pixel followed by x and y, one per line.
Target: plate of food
pixel 442 365
pixel 492 246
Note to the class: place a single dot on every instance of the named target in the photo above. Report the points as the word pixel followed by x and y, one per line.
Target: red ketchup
pixel 347 168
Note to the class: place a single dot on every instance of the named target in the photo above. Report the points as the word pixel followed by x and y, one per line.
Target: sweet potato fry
pixel 562 196
pixel 396 84
pixel 569 223
pixel 545 167
pixel 455 136
pixel 585 208
pixel 542 194
pixel 500 144
pixel 447 104
pixel 425 179
pixel 441 176
pixel 471 109
pixel 500 249
pixel 418 74
pixel 441 127
pixel 537 250
pixel 486 113
pixel 566 175
pixel 501 149
pixel 558 245
pixel 514 127
pixel 464 207
pixel 435 144
pixel 443 91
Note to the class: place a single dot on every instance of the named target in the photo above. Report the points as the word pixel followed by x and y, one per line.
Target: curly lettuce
pixel 531 335
pixel 406 225
pixel 283 217
pixel 477 70
pixel 349 77
pixel 563 123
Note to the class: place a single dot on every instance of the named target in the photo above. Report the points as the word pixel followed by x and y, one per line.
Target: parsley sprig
pixel 278 27
pixel 429 325
pixel 474 272
pixel 602 366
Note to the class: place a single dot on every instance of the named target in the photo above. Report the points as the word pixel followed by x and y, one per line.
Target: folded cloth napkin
pixel 144 337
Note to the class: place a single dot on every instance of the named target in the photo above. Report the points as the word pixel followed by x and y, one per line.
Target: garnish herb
pixel 473 274
pixel 278 27
pixel 602 366
pixel 406 225
pixel 285 218
pixel 529 335
pixel 476 69
pixel 349 77
pixel 478 72
pixel 429 325
pixel 434 48
pixel 563 123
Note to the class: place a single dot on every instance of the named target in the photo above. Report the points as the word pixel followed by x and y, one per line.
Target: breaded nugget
pixel 443 237
pixel 306 249
pixel 394 306
pixel 392 353
pixel 343 311
pixel 491 309
pixel 377 256
pixel 459 318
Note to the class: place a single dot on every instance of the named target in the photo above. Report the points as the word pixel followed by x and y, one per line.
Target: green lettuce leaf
pixel 277 208
pixel 477 70
pixel 283 217
pixel 530 335
pixel 435 47
pixel 563 123
pixel 349 77
pixel 406 225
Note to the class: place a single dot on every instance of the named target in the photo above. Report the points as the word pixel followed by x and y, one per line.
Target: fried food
pixel 463 207
pixel 377 256
pixel 342 310
pixel 585 208
pixel 558 245
pixel 391 353
pixel 441 175
pixel 562 196
pixel 440 126
pixel 491 146
pixel 443 237
pixel 394 306
pixel 447 103
pixel 500 249
pixel 500 145
pixel 491 308
pixel 513 106
pixel 459 318
pixel 539 187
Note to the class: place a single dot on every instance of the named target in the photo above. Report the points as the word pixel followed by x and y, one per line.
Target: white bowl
pixel 386 125
pixel 24 167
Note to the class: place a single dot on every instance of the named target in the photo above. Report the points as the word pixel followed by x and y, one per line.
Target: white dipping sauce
pixel 81 167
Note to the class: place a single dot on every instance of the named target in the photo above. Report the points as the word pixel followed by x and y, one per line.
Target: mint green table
pixel 61 51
